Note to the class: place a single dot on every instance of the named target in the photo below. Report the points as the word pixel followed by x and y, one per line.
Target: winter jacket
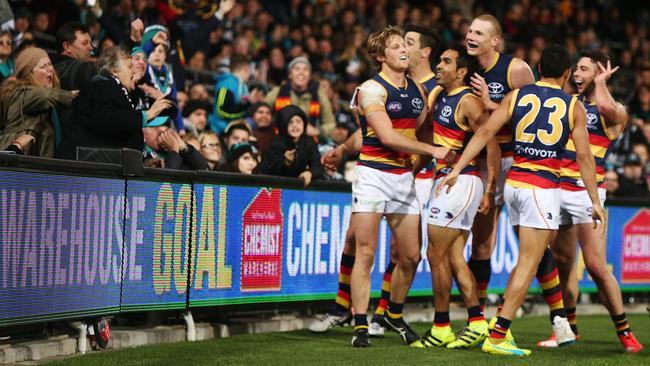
pixel 307 155
pixel 28 109
pixel 230 101
pixel 103 117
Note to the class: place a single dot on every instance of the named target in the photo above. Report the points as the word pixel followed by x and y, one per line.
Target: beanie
pixel 299 60
pixel 27 60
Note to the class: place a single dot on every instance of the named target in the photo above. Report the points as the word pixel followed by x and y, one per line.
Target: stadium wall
pixel 83 239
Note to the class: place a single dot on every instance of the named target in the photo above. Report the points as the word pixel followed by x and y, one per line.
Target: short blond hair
pixel 493 21
pixel 378 41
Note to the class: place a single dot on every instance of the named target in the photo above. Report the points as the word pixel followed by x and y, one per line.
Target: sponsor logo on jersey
pixel 417 103
pixel 495 88
pixel 394 106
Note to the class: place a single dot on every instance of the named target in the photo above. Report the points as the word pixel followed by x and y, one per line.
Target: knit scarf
pixel 284 99
pixel 124 90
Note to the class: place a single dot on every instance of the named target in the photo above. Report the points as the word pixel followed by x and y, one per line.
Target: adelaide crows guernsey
pixel 450 130
pixel 403 104
pixel 600 142
pixel 542 119
pixel 497 78
pixel 428 82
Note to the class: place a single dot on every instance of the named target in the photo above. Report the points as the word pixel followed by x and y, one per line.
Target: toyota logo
pixel 416 103
pixel 446 111
pixel 495 88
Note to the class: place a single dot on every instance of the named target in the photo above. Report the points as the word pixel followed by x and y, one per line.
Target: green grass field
pixel 599 346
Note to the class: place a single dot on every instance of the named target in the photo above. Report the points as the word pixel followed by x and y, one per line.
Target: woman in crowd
pixel 293 153
pixel 243 158
pixel 159 74
pixel 29 105
pixel 7 65
pixel 104 114
pixel 211 150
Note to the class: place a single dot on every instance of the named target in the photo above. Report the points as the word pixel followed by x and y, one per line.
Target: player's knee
pixel 410 259
pixel 597 269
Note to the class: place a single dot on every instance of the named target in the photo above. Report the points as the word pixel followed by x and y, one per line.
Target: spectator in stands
pixel 159 74
pixel 199 92
pixel 293 153
pixel 192 140
pixel 183 98
pixel 7 65
pixel 243 158
pixel 196 116
pixel 75 64
pixel 236 132
pixel 22 21
pixel 104 114
pixel 29 104
pixel 261 120
pixel 211 150
pixel 300 90
pixel 163 143
pixel 232 98
pixel 139 66
pixel 632 182
pixel 611 183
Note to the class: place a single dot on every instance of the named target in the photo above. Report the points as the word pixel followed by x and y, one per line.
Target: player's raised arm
pixel 614 112
pixel 586 162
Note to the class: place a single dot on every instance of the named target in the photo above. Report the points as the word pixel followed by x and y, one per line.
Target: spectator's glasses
pixel 6 43
pixel 212 145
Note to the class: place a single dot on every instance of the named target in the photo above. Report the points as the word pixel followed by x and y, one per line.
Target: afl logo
pixel 495 88
pixel 446 111
pixel 394 107
pixel 592 119
pixel 416 103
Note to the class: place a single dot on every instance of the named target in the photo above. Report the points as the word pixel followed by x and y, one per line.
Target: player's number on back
pixel 558 107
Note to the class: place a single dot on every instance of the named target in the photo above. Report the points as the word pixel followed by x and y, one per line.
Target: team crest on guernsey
pixel 394 107
pixel 592 119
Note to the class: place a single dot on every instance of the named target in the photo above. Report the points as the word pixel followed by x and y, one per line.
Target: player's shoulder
pixel 372 86
pixel 518 65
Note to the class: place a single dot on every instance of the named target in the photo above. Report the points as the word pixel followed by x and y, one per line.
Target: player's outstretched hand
pixel 332 159
pixel 597 214
pixel 448 181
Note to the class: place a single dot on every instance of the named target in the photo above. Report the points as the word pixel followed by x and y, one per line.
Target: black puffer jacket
pixel 307 155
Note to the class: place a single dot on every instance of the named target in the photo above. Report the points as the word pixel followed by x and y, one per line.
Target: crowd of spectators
pixel 263 87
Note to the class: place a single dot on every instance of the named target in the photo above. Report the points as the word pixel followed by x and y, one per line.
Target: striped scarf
pixel 284 99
